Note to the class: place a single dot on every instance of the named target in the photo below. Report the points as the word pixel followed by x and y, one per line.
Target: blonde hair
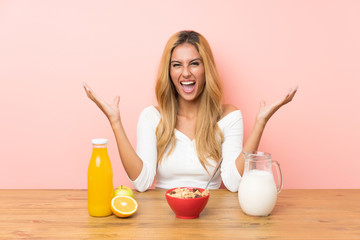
pixel 208 136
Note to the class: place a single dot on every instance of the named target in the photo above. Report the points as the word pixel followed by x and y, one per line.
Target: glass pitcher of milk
pixel 257 190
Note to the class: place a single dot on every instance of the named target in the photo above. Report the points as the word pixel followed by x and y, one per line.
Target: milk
pixel 257 193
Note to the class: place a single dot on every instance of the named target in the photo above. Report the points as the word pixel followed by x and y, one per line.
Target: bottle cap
pixel 99 141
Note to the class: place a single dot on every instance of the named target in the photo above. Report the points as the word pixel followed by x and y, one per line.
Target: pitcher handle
pixel 279 173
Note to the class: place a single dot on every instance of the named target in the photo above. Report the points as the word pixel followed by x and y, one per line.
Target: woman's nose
pixel 186 72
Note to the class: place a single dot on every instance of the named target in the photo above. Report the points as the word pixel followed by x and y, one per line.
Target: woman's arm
pixel 130 160
pixel 263 116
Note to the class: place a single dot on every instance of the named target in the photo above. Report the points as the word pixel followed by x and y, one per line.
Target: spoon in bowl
pixel 215 171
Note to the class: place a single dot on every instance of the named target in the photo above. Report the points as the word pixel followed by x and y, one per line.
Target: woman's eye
pixel 195 63
pixel 176 65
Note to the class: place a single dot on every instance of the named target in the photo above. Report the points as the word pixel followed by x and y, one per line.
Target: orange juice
pixel 100 180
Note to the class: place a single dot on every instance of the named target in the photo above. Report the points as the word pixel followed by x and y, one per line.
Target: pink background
pixel 262 48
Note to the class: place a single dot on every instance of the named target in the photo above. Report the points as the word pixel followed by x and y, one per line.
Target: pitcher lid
pixel 257 154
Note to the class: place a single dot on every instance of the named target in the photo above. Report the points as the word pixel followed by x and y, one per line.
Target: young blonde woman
pixel 180 141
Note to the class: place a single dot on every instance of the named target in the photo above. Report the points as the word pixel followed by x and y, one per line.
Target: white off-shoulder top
pixel 182 167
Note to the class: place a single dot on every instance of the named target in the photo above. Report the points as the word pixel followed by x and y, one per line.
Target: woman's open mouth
pixel 188 86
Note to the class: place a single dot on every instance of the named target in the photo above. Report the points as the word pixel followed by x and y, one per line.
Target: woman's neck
pixel 188 109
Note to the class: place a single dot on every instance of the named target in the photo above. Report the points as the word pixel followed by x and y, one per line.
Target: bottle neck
pixel 99 145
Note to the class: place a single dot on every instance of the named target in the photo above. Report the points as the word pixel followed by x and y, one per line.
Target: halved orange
pixel 123 206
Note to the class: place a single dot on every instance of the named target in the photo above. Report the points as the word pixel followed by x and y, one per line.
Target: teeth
pixel 188 83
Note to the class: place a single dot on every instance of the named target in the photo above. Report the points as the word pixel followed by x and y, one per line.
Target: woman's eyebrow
pixel 196 59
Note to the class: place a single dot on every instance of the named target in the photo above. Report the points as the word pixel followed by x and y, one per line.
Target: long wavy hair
pixel 208 136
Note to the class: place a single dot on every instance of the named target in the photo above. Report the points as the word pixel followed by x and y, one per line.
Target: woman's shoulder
pixel 156 107
pixel 227 109
pixel 150 113
pixel 231 114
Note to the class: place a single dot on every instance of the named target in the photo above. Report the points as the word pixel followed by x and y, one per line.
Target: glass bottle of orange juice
pixel 100 180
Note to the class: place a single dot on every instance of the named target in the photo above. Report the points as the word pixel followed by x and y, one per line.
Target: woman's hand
pixel 131 161
pixel 112 112
pixel 265 112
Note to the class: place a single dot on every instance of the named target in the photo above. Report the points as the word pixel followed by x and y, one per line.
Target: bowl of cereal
pixel 187 202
